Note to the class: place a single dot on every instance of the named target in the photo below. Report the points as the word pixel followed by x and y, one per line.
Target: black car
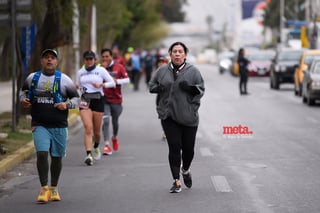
pixel 311 83
pixel 283 66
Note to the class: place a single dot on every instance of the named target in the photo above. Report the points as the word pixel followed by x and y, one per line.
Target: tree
pixel 293 11
pixel 138 23
pixel 171 10
pixel 144 27
pixel 123 22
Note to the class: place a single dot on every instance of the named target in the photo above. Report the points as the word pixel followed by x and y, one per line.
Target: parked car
pixel 283 66
pixel 234 66
pixel 260 63
pixel 311 83
pixel 225 61
pixel 305 61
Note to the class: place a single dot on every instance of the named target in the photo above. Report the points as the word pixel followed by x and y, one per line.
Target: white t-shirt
pixel 99 74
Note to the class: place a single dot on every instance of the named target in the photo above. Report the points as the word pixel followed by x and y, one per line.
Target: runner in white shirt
pixel 90 80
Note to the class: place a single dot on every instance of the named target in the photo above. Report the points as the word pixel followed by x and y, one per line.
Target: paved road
pixel 276 169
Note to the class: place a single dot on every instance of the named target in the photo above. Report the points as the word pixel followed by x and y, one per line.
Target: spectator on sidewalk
pixel 243 71
pixel 50 94
pixel 180 87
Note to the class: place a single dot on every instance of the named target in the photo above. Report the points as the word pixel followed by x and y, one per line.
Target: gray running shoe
pixel 176 187
pixel 187 179
pixel 88 160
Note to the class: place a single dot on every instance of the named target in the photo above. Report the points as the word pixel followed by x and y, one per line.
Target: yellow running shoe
pixel 44 195
pixel 54 194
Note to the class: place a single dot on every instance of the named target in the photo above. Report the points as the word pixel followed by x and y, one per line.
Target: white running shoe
pixel 96 154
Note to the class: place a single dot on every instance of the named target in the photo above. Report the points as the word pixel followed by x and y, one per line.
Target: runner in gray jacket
pixel 180 87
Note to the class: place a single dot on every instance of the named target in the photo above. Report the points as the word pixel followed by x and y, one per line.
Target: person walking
pixel 113 100
pixel 180 87
pixel 91 79
pixel 49 93
pixel 148 62
pixel 136 68
pixel 243 71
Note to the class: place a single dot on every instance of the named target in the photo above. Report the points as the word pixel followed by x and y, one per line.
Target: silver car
pixel 311 83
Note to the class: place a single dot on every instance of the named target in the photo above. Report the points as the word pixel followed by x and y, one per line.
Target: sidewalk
pixel 25 152
pixel 6 96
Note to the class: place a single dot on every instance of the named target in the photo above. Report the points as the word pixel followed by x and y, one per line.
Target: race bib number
pixel 84 104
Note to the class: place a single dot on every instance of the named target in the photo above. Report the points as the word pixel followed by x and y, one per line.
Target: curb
pixel 24 153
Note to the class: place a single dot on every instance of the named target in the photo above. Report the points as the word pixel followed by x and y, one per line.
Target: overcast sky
pixel 198 10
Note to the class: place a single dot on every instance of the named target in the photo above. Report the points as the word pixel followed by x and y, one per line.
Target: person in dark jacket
pixel 243 71
pixel 180 87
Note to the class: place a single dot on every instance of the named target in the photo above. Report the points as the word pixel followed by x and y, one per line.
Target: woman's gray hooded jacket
pixel 179 93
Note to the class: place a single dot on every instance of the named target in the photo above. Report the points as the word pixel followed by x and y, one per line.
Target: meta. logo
pixel 239 131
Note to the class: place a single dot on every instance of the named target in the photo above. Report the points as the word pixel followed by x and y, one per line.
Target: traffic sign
pixel 21 10
pixel 4 5
pixel 23 5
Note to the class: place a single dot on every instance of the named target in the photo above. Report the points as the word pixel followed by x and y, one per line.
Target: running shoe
pixel 186 177
pixel 44 195
pixel 176 187
pixel 96 153
pixel 115 144
pixel 88 160
pixel 107 150
pixel 54 194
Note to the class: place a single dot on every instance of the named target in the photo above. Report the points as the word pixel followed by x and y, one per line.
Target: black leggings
pixel 43 168
pixel 181 141
pixel 243 82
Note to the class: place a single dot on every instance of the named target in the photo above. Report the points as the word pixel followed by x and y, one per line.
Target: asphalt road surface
pixel 273 169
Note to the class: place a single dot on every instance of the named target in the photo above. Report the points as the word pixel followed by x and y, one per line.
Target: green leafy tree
pixel 145 26
pixel 293 10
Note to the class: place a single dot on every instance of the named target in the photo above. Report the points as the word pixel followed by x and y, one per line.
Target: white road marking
pixel 221 184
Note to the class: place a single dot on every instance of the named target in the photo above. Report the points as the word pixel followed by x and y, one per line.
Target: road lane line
pixel 221 184
pixel 206 152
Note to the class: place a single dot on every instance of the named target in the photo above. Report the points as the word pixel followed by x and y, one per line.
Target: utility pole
pixel 76 36
pixel 282 3
pixel 14 64
pixel 209 20
pixel 307 13
pixel 94 29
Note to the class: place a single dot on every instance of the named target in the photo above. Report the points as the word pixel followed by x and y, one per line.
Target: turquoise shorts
pixel 53 140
